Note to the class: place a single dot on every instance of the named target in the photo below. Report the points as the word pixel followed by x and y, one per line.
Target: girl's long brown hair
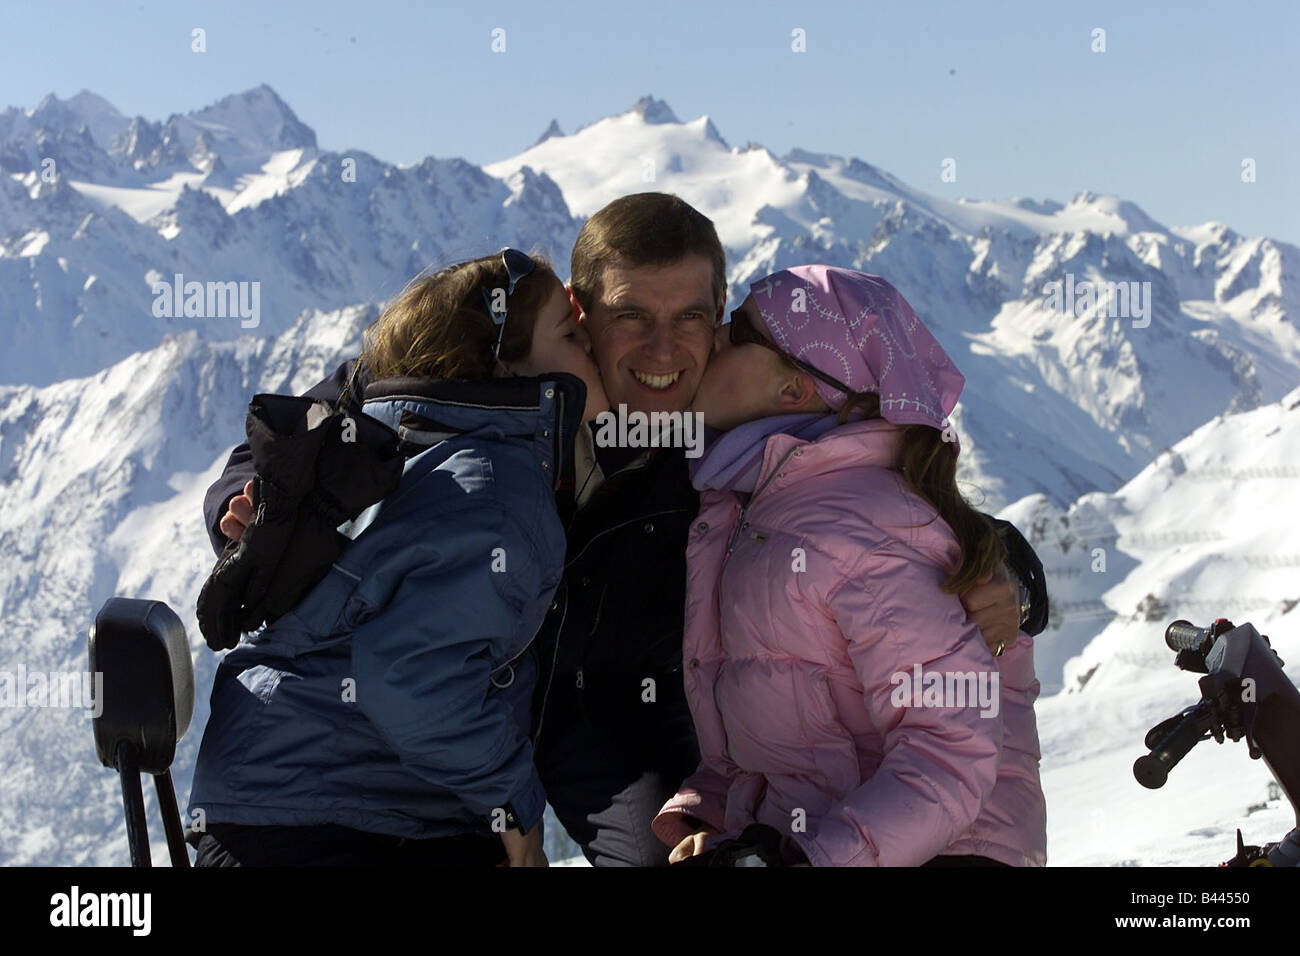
pixel 928 463
pixel 439 327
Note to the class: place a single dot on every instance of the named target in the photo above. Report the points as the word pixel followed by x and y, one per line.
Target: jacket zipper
pixel 550 674
pixel 580 676
pixel 559 469
pixel 735 535
pixel 740 519
pixel 558 447
pixel 555 654
pixel 621 524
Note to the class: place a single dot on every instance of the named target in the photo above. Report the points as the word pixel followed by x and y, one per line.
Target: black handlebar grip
pixel 1152 770
pixel 1185 636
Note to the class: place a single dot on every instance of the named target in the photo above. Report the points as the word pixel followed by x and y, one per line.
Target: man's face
pixel 652 333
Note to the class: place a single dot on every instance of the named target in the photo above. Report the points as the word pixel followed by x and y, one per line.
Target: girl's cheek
pixel 585 360
pixel 725 371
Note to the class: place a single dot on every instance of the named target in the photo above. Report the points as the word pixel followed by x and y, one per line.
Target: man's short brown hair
pixel 644 229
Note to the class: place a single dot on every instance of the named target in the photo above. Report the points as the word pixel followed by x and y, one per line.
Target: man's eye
pixel 629 315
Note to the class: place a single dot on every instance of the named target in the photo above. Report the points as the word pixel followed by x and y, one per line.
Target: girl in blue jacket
pixel 385 719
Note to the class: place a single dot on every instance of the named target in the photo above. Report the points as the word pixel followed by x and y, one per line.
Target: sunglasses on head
pixel 743 332
pixel 518 265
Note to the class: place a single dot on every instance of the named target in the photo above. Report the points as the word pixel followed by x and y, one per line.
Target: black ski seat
pixel 141 649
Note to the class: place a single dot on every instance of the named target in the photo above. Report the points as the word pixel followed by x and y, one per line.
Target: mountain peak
pixel 711 132
pixel 81 105
pixel 86 101
pixel 1129 213
pixel 257 116
pixel 654 111
pixel 551 131
pixel 261 96
pixel 99 116
pixel 263 92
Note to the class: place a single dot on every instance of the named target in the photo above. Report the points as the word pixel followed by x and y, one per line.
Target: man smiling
pixel 613 735
pixel 653 330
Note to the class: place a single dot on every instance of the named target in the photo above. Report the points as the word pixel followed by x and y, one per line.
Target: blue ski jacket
pixel 395 697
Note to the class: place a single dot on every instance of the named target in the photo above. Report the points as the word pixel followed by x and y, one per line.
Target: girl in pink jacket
pixel 844 703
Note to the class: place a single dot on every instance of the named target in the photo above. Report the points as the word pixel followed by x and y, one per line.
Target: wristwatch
pixel 512 820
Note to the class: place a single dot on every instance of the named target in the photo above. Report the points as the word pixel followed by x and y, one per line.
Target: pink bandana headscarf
pixel 859 330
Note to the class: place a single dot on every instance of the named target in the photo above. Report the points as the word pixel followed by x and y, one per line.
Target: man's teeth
pixel 656 381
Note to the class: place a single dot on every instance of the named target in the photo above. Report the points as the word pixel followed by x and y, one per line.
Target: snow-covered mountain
pixel 1222 310
pixel 236 192
pixel 1088 429
pixel 239 192
pixel 1207 530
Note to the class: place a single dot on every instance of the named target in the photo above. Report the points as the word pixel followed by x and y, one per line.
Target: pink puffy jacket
pixel 807 614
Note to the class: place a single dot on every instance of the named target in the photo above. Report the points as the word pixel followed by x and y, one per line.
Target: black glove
pixel 315 469
pixel 356 466
pixel 757 845
pixel 284 449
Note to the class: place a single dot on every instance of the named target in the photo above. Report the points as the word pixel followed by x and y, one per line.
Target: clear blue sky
pixel 1010 89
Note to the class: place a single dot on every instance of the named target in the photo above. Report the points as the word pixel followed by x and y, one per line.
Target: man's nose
pixel 660 343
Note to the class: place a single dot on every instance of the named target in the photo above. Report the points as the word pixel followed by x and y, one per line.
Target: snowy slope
pixel 104 477
pixel 1207 530
pixel 1154 443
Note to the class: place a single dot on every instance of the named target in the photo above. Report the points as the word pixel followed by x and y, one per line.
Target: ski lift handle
pixel 1152 770
pixel 1186 636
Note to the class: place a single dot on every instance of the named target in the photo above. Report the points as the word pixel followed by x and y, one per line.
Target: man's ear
pixel 578 314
